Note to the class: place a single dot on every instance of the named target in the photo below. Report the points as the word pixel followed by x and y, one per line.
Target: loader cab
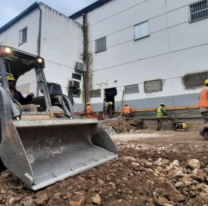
pixel 27 70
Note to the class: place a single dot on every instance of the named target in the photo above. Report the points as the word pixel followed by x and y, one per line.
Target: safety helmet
pixel 10 77
pixel 126 104
pixel 87 103
pixel 206 82
pixel 162 104
pixel 110 103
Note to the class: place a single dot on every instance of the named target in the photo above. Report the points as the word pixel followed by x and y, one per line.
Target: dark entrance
pixel 110 96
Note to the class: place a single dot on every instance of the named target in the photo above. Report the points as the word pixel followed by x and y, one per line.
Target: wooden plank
pixel 167 108
pixel 152 109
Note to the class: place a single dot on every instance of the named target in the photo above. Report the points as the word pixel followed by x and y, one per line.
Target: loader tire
pixel 2 167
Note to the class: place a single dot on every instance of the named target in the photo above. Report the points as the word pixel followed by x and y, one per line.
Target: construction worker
pixel 203 108
pixel 110 109
pixel 25 102
pixel 127 111
pixel 88 109
pixel 160 115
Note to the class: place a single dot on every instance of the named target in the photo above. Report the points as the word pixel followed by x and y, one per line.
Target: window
pixel 199 10
pixel 100 45
pixel 23 36
pixel 134 88
pixel 95 93
pixel 76 92
pixel 141 30
pixel 76 76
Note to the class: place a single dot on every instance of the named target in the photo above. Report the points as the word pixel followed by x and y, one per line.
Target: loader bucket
pixel 42 152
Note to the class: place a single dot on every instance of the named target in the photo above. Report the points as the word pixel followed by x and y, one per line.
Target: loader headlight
pixel 6 51
pixel 39 60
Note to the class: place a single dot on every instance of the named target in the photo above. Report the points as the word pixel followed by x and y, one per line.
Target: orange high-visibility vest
pixel 203 98
pixel 127 110
pixel 88 109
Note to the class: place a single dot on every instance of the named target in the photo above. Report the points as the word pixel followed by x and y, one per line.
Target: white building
pixel 45 32
pixel 151 51
pixel 154 50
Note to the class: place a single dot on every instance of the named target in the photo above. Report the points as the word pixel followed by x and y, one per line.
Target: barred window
pixel 23 36
pixel 100 45
pixel 141 30
pixel 95 93
pixel 134 88
pixel 199 10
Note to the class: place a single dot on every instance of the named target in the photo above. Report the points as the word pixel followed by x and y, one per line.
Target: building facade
pixel 147 51
pixel 143 52
pixel 58 39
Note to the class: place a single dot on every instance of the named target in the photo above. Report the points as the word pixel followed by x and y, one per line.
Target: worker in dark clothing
pixel 24 101
pixel 161 112
pixel 110 109
pixel 203 109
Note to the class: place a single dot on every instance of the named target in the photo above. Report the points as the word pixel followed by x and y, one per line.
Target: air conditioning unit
pixel 74 84
pixel 80 67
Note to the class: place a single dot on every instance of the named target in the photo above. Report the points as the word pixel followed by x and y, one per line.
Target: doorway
pixel 110 96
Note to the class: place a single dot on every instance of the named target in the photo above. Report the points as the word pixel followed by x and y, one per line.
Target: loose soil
pixel 135 179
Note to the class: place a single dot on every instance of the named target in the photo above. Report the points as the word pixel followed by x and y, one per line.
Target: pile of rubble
pixel 121 125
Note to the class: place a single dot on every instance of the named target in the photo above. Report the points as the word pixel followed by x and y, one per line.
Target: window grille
pixel 199 10
pixel 130 89
pixel 100 45
pixel 141 30
pixel 95 93
pixel 23 36
pixel 27 83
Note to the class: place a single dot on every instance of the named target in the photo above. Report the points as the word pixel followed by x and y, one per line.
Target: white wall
pixel 61 46
pixel 11 36
pixel 175 46
pixel 61 43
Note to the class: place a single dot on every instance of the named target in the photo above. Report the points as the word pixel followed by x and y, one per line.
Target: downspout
pixel 40 31
pixel 86 58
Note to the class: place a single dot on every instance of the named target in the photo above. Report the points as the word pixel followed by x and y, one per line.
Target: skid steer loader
pixel 46 146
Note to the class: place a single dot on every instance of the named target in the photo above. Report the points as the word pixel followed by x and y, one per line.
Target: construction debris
pixel 161 174
pixel 121 125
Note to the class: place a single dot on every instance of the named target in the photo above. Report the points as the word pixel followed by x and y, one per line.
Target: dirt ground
pixel 153 168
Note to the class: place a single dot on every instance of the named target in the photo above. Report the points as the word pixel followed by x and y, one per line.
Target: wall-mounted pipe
pixel 86 58
pixel 39 32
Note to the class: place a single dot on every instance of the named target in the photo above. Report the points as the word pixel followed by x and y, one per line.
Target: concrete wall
pixel 174 49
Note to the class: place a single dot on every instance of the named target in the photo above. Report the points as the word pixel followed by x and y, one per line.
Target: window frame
pixel 78 91
pixel 20 36
pixel 190 13
pixel 135 39
pixel 96 93
pixel 98 51
pixel 130 86
pixel 76 76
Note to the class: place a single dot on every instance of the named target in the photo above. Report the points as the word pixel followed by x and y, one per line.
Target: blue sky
pixel 11 8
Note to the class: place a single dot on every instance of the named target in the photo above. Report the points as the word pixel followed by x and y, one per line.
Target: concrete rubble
pixel 163 174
